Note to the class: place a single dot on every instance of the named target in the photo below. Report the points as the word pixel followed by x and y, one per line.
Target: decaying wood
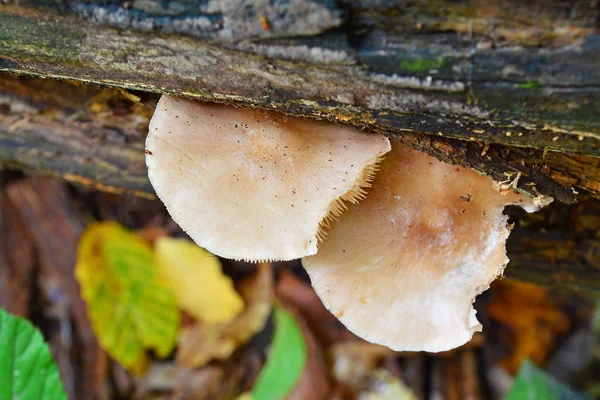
pixel 558 247
pixel 81 133
pixel 392 68
pixel 95 137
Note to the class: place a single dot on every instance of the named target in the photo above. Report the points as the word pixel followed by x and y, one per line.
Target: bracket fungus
pixel 255 185
pixel 403 267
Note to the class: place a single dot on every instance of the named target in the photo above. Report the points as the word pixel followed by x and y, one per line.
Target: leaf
pixel 286 360
pixel 326 326
pixel 27 369
pixel 130 307
pixel 202 290
pixel 534 384
pixel 201 343
pixel 535 320
pixel 315 383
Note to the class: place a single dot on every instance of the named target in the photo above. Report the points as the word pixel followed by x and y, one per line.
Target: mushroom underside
pixel 255 185
pixel 403 267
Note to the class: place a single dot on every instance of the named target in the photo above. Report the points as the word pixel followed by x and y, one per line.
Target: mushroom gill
pixel 254 185
pixel 403 267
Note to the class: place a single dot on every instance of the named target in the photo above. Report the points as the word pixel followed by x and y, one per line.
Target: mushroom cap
pixel 255 185
pixel 403 267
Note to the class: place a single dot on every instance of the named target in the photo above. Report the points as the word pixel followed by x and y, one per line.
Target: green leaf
pixel 532 383
pixel 286 361
pixel 27 369
pixel 131 308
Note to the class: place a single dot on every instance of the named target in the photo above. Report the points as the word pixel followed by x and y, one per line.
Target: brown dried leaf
pixel 201 343
pixel 160 377
pixel 222 381
pixel 17 261
pixel 152 233
pixel 219 380
pixel 535 321
pixel 324 324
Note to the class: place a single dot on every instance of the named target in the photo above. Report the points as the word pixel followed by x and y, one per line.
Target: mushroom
pixel 403 267
pixel 256 185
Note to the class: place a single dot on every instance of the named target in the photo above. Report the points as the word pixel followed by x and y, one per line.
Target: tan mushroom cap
pixel 403 267
pixel 254 185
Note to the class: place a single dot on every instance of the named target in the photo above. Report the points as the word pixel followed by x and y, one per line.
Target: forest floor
pixel 42 220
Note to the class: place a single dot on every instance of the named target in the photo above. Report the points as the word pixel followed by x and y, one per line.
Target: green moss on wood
pixel 420 64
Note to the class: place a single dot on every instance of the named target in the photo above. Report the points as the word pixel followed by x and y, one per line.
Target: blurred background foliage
pixel 131 309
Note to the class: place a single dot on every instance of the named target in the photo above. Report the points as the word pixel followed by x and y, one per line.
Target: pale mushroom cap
pixel 403 267
pixel 254 185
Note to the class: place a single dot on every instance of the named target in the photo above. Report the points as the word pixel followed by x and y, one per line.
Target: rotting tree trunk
pixel 95 136
pixel 487 86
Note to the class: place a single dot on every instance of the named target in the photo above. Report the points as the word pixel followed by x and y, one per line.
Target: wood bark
pixel 559 248
pixel 95 137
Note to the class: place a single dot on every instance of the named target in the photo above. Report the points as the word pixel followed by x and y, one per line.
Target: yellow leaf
pixel 130 308
pixel 201 343
pixel 201 288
